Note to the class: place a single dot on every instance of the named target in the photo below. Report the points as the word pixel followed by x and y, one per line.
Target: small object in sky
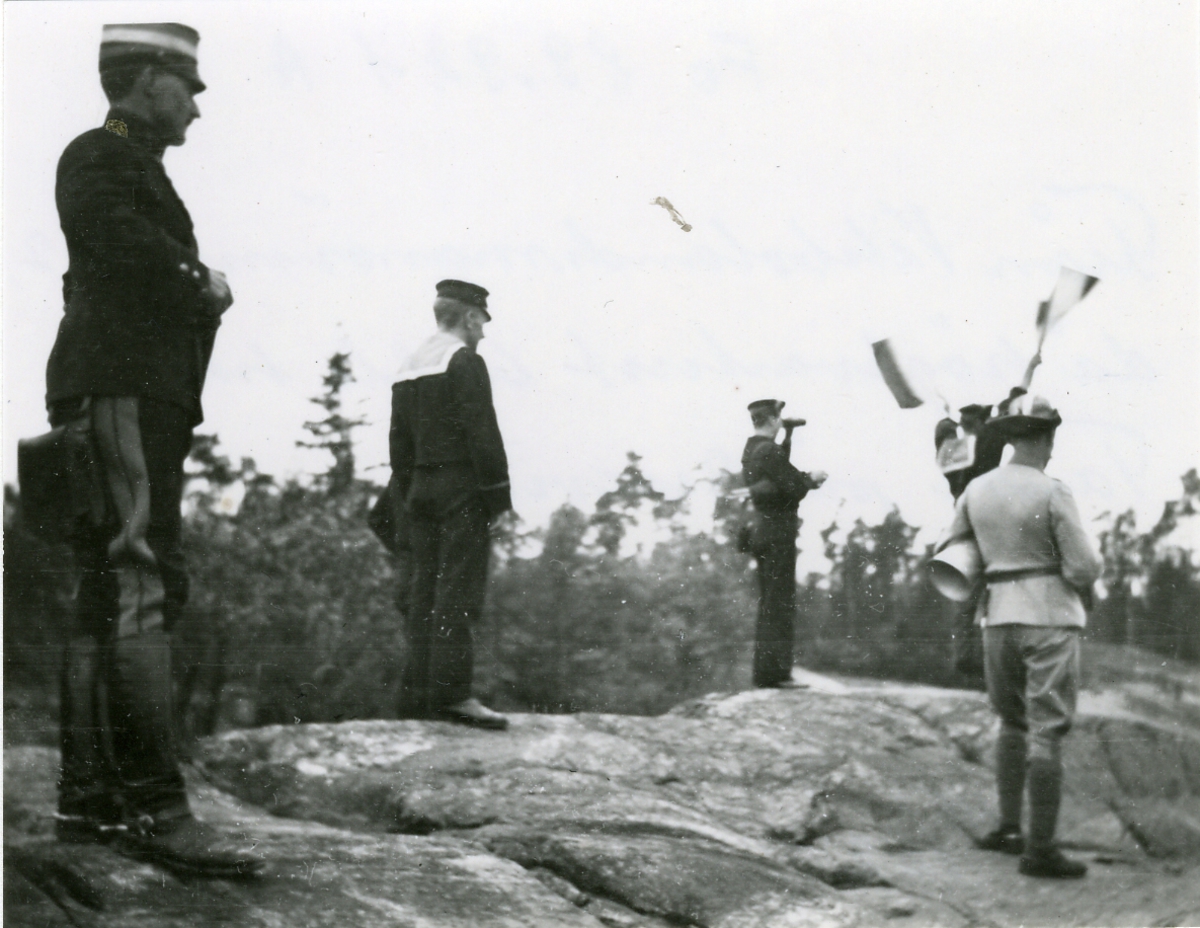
pixel 1072 287
pixel 894 377
pixel 666 204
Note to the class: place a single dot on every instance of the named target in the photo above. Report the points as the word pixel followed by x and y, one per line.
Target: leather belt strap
pixel 1008 576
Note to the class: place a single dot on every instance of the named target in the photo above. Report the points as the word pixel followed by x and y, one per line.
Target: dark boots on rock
pixel 1010 789
pixel 175 840
pixel 1043 776
pixel 1006 839
pixel 190 847
pixel 1051 863
pixel 1042 858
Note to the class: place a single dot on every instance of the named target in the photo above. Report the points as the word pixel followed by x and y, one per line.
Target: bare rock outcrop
pixel 849 803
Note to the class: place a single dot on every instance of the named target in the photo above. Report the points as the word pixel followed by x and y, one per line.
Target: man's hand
pixel 219 294
pixel 818 477
pixel 503 523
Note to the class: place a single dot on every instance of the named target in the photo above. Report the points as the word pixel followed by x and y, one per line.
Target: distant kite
pixel 666 204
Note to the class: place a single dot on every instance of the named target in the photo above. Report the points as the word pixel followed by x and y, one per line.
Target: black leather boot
pixel 1042 858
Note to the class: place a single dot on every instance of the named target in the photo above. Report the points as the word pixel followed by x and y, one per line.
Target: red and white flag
pixel 894 377
pixel 1072 287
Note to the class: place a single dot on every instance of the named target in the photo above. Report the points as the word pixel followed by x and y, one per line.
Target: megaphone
pixel 957 568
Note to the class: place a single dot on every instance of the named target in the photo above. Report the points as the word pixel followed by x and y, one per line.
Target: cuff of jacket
pixel 195 273
pixel 497 498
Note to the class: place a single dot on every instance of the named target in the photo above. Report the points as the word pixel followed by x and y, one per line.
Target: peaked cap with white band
pixel 170 45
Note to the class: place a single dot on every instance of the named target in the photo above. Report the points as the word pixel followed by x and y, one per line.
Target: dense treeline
pixel 293 613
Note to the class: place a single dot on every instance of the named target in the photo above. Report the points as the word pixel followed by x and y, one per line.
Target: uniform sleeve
pixel 97 201
pixel 960 525
pixel 770 464
pixel 402 449
pixel 1080 565
pixel 472 390
pixel 946 428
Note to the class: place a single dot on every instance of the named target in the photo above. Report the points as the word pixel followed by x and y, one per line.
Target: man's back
pixel 445 440
pixel 1025 521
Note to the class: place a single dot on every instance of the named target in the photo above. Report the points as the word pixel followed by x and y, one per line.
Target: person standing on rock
pixel 776 489
pixel 128 366
pixel 1039 567
pixel 449 483
pixel 986 450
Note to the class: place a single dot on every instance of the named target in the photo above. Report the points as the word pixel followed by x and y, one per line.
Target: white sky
pixel 851 171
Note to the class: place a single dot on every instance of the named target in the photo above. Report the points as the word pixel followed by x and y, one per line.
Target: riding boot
pixel 1042 857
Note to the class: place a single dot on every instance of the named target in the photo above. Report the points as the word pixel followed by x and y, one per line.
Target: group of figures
pixel 128 368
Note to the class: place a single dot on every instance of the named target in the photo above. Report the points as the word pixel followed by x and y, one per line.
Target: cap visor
pixel 189 73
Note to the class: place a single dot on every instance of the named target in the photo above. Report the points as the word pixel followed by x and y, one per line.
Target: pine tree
pixel 335 432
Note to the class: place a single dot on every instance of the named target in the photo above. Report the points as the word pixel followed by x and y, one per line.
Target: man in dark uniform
pixel 976 423
pixel 776 488
pixel 988 447
pixel 141 312
pixel 449 482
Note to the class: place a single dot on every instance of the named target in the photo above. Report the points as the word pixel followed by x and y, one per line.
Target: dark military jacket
pixel 137 319
pixel 776 487
pixel 445 445
pixel 989 448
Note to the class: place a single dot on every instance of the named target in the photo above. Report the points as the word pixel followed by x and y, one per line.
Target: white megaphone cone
pixel 956 568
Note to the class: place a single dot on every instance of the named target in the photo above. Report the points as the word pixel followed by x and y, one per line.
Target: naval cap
pixel 471 294
pixel 1027 415
pixel 773 406
pixel 171 46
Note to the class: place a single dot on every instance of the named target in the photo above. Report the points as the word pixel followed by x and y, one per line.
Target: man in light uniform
pixel 1039 567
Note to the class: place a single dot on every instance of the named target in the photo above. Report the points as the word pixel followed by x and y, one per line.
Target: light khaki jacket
pixel 1024 520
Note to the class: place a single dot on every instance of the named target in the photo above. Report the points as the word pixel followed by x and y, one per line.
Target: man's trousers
pixel 775 628
pixel 117 727
pixel 1032 681
pixel 449 579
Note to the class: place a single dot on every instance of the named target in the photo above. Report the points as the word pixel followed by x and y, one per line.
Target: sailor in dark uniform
pixel 141 313
pixel 776 488
pixel 449 482
pixel 986 448
pixel 980 447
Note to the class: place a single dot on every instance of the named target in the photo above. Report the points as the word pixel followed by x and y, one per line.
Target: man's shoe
pixel 473 712
pixel 788 684
pixel 190 847
pixel 85 829
pixel 1004 840
pixel 1051 863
